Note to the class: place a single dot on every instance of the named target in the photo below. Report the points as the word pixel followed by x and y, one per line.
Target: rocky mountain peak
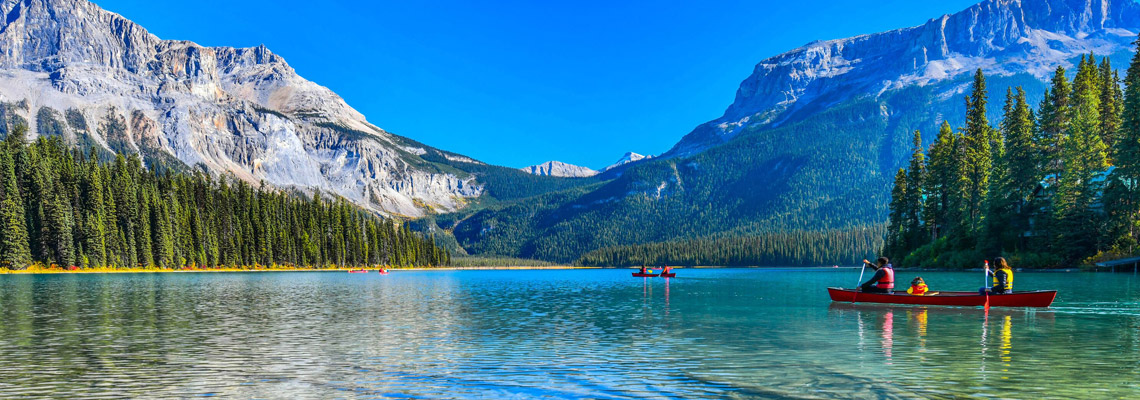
pixel 628 157
pixel 242 112
pixel 1003 37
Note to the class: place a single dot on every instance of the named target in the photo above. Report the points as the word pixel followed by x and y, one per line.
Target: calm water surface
pixel 723 333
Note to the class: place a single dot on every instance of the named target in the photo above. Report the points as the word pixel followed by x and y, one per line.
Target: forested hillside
pixel 793 248
pixel 827 174
pixel 1045 189
pixel 61 206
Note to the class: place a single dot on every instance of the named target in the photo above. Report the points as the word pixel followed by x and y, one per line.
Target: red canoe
pixel 641 275
pixel 669 275
pixel 1035 298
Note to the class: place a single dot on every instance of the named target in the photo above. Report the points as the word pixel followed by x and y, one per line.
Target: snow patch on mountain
pixel 628 157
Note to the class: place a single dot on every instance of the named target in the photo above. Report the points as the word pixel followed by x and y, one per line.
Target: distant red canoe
pixel 362 271
pixel 1035 298
pixel 669 275
pixel 641 275
pixel 383 272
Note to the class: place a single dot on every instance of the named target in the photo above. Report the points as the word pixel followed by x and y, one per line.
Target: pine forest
pixel 62 208
pixel 1046 188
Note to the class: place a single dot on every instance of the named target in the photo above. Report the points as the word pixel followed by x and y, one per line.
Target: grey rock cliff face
pixel 243 112
pixel 558 168
pixel 1002 37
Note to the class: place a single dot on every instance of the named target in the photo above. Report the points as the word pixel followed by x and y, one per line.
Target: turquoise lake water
pixel 709 333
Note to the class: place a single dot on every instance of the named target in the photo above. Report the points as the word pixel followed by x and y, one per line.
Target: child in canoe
pixel 918 288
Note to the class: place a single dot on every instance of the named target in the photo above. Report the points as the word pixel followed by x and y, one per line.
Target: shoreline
pixel 54 271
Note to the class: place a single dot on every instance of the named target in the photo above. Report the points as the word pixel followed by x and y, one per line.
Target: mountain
pixel 814 136
pixel 73 69
pixel 561 169
pixel 558 168
pixel 1002 37
pixel 629 157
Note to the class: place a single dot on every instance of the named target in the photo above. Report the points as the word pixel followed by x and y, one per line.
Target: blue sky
pixel 517 83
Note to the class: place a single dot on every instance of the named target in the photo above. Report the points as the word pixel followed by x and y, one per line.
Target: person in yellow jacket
pixel 1003 277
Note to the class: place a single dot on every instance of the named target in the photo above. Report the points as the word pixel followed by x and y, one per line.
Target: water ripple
pixel 563 334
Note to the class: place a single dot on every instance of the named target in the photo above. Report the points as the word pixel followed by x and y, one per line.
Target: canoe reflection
pixel 1006 345
pixel 888 334
pixel 917 341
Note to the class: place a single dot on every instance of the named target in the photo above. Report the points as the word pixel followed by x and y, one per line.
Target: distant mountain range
pixel 561 169
pixel 810 142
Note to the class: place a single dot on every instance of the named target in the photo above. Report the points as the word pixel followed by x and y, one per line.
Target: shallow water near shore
pixel 709 333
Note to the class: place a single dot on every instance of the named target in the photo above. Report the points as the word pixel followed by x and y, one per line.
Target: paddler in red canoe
pixel 884 279
pixel 1003 277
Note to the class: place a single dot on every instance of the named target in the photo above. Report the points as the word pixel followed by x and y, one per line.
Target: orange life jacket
pixel 888 281
pixel 918 289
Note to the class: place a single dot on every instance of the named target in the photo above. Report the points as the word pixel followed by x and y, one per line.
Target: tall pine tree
pixel 978 154
pixel 1122 197
pixel 941 178
pixel 1085 158
pixel 914 235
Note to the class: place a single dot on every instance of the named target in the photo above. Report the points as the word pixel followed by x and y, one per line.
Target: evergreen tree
pixel 14 248
pixel 941 179
pixel 895 245
pixel 14 244
pixel 1023 169
pixel 1054 123
pixel 1110 103
pixel 915 182
pixel 1084 158
pixel 978 155
pixel 1122 197
pixel 998 203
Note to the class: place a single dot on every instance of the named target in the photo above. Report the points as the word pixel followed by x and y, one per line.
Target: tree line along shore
pixel 61 209
pixel 1055 187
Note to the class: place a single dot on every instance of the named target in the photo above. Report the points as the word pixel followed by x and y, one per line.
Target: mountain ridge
pixel 1004 37
pixel 560 169
pixel 232 111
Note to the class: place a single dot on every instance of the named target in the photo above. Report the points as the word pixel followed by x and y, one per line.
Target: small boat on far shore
pixel 1033 298
pixel 358 271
